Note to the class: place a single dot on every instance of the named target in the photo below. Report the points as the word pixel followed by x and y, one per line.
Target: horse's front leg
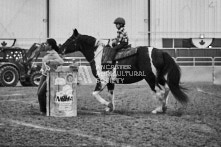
pixel 99 87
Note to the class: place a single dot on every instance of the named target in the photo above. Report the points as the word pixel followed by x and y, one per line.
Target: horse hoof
pixel 164 109
pixel 159 110
pixel 154 112
pixel 109 107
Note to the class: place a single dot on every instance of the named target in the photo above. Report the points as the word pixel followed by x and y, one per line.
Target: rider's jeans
pixel 42 93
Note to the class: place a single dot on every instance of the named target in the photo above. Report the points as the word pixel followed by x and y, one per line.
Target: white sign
pixel 202 42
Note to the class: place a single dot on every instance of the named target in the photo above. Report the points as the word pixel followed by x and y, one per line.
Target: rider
pixel 122 39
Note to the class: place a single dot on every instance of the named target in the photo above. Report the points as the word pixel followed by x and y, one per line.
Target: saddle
pixel 123 53
pixel 108 54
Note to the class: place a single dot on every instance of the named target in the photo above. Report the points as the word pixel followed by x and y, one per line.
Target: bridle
pixel 68 43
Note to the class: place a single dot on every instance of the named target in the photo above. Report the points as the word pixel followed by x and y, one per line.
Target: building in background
pixel 169 24
pixel 23 20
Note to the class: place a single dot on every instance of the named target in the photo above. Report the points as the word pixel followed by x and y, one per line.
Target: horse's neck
pixel 94 57
pixel 88 55
pixel 87 51
pixel 93 53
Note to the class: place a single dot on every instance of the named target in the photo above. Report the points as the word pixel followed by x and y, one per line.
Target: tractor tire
pixel 9 76
pixel 35 78
pixel 26 83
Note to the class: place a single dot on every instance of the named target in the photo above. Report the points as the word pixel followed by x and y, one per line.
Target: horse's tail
pixel 173 79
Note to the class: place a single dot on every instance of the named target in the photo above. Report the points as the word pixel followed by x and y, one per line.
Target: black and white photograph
pixel 110 73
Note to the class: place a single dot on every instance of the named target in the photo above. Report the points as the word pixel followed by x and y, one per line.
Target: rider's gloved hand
pixel 114 42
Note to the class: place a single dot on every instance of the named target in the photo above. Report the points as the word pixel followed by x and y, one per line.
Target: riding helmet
pixel 119 20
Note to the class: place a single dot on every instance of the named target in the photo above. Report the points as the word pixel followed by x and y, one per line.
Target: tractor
pixel 17 64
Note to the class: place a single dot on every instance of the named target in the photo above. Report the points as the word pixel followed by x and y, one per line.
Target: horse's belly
pixel 128 77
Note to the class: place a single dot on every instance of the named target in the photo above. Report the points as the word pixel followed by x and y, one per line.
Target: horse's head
pixel 86 44
pixel 71 44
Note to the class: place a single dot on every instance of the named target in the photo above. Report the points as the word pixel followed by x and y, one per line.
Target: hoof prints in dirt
pixel 131 124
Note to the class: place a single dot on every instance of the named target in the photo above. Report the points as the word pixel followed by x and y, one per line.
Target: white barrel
pixel 61 92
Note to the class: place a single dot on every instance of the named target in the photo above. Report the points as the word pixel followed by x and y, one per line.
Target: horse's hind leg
pixel 110 87
pixel 162 81
pixel 157 91
pixel 163 100
pixel 161 95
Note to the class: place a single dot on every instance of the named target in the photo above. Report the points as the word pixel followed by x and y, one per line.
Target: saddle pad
pixel 107 55
pixel 125 53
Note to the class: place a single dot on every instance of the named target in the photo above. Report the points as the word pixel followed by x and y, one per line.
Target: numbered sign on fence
pixel 61 92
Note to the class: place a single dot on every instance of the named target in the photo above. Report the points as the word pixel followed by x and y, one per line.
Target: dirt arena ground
pixel 131 124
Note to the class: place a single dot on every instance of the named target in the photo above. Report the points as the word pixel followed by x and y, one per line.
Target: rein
pixel 97 42
pixel 96 56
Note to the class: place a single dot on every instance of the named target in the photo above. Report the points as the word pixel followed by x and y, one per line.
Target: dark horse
pixel 155 66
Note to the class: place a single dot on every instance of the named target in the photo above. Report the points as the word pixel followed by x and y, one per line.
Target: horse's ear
pixel 75 33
